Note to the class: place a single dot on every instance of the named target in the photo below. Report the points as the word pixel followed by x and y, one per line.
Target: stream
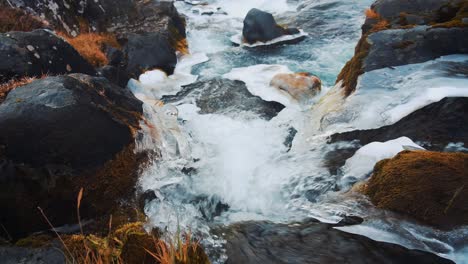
pixel 225 158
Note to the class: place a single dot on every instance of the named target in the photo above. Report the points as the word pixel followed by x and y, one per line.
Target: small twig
pixel 55 231
pixel 6 231
pixel 457 192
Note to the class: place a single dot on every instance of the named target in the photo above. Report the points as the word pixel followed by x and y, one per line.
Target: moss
pixel 353 69
pixel 15 19
pixel 454 17
pixel 91 46
pixel 35 241
pixel 429 186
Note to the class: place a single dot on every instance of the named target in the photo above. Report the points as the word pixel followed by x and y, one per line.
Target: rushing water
pixel 218 169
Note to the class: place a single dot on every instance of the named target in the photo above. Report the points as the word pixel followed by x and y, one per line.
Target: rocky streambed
pixel 285 132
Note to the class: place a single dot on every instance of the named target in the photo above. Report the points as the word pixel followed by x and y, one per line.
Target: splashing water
pixel 219 169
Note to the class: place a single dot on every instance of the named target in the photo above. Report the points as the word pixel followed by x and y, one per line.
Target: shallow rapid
pixel 227 165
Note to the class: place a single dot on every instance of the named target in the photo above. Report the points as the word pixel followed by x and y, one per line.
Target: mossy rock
pixel 432 187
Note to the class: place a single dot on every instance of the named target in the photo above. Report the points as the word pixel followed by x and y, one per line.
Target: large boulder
pixel 223 96
pixel 260 26
pixel 37 53
pixel 60 134
pixel 429 186
pixel 398 32
pixel 301 87
pixel 312 242
pixel 433 126
pixel 149 51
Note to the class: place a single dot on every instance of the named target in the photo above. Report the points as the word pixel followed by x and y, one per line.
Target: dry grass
pixel 91 45
pixel 15 19
pixel 9 86
pixel 128 244
pixel 371 14
pixel 179 251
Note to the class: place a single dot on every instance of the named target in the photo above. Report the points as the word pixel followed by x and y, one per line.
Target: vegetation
pixel 15 19
pixel 91 46
pixel 456 18
pixel 353 69
pixel 429 186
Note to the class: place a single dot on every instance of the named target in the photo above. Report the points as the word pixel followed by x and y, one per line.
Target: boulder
pixel 429 186
pixel 398 32
pixel 37 53
pixel 60 134
pixel 224 96
pixel 312 242
pixel 300 86
pixel 149 51
pixel 433 126
pixel 15 255
pixel 260 26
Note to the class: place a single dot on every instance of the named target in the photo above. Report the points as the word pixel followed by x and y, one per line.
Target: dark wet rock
pixel 115 74
pixel 290 138
pixel 427 10
pixel 223 96
pixel 37 53
pixel 260 26
pixel 145 198
pixel 350 220
pixel 210 206
pixel 60 134
pixel 15 255
pixel 141 54
pixel 391 38
pixel 312 242
pixel 419 44
pixel 434 126
pixel 336 158
pixel 429 186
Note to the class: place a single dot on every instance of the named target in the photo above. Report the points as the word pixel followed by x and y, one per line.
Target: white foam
pixel 258 77
pixel 363 161
pixel 154 84
pixel 237 39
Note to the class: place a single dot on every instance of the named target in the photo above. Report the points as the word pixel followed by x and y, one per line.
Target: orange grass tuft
pixel 370 13
pixel 90 46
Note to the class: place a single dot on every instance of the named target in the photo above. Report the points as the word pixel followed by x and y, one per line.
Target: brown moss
pixel 15 19
pixel 461 11
pixel 429 186
pixel 91 46
pixel 371 14
pixel 353 69
pixel 35 241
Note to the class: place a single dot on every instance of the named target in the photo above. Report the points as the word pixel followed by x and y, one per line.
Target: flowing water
pixel 225 167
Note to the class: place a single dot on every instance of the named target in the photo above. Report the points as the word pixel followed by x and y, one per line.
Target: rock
pixel 419 44
pixel 301 87
pixel 15 255
pixel 429 186
pixel 223 96
pixel 312 242
pixel 260 26
pixel 141 56
pixel 433 126
pixel 60 134
pixel 37 53
pixel 391 38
